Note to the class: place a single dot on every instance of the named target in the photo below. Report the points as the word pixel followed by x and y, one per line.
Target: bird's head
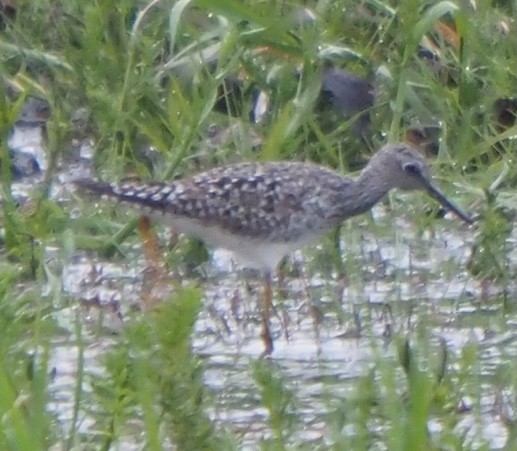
pixel 404 167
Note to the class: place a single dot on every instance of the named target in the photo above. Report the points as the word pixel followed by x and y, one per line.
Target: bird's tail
pixel 153 195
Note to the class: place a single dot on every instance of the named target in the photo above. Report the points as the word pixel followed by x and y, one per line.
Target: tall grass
pixel 149 75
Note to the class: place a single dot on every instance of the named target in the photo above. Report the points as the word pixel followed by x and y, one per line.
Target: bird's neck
pixel 368 189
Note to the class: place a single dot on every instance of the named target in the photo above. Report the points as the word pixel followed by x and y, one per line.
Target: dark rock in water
pixel 23 165
pixel 349 95
pixel 34 111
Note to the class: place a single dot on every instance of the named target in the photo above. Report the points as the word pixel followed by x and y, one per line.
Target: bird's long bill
pixel 447 204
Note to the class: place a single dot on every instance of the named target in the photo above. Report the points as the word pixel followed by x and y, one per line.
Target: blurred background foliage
pixel 160 89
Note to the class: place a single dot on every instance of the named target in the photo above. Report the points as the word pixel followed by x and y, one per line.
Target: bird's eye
pixel 413 169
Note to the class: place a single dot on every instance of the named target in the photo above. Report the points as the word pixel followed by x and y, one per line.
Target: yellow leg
pixel 266 313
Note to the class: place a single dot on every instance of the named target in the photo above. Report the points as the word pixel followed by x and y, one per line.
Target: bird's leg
pixel 157 282
pixel 266 314
pixel 151 245
pixel 282 293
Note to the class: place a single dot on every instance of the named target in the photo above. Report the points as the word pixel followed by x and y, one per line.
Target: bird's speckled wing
pixel 277 201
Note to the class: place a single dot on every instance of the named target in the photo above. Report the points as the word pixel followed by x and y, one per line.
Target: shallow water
pixel 321 358
pixel 402 281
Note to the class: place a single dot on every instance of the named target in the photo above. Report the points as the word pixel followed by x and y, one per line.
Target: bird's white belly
pixel 251 252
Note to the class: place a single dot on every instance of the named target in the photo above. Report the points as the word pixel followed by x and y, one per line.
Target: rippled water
pixel 328 332
pixel 323 357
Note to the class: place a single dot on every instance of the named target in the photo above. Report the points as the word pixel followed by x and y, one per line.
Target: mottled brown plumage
pixel 285 204
pixel 264 211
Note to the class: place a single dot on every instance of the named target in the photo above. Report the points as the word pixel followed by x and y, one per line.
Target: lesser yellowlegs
pixel 264 211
